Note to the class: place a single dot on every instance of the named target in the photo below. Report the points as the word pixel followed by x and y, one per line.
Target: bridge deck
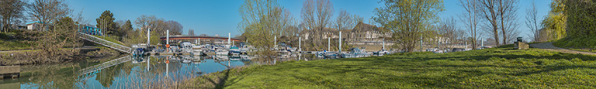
pixel 106 43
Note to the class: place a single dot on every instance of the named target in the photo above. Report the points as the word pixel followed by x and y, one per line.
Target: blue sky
pixel 221 16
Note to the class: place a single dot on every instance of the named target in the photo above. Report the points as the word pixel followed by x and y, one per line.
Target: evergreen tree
pixel 107 24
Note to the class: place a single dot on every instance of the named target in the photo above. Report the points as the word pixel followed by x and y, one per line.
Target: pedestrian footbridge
pixel 104 42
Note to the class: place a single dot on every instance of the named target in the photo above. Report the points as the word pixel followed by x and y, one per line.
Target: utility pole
pixel 339 41
pixel 438 41
pixel 481 42
pixel 148 37
pixel 275 42
pixel 383 43
pixel 420 43
pixel 300 43
pixel 167 37
pixel 328 43
pixel 168 40
pixel 148 63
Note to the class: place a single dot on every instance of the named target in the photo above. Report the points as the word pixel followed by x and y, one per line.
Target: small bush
pixel 4 36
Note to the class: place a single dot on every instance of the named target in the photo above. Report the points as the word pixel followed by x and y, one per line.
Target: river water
pixel 125 71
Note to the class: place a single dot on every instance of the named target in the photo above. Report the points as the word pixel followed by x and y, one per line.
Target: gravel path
pixel 551 47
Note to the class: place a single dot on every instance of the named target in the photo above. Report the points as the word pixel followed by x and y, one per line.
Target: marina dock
pixel 10 71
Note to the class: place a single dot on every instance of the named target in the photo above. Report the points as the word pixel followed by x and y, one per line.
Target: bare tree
pixel 286 21
pixel 344 21
pixel 512 30
pixel 145 21
pixel 324 13
pixel 79 19
pixel 507 11
pixel 10 12
pixel 470 18
pixel 308 18
pixel 48 11
pixel 532 21
pixel 191 32
pixel 489 11
pixel 317 16
pixel 174 27
pixel 448 30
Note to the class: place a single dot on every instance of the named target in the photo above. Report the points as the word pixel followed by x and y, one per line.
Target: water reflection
pixel 127 71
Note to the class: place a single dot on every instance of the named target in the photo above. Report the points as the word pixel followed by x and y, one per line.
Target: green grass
pixel 13 45
pixel 576 43
pixel 6 43
pixel 490 68
pixel 583 50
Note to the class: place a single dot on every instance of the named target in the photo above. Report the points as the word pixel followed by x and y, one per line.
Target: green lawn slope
pixel 490 68
pixel 8 43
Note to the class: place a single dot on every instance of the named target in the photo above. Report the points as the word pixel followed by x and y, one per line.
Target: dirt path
pixel 551 47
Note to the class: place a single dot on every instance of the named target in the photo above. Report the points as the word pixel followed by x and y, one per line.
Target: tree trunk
pixel 503 28
pixel 496 34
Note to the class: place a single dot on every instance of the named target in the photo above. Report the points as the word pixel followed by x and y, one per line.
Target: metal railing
pixel 96 68
pixel 106 43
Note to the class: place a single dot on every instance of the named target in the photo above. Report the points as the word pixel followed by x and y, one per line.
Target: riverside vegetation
pixel 500 67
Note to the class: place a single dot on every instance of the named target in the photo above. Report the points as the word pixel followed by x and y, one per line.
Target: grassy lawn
pixel 489 68
pixel 577 44
pixel 583 50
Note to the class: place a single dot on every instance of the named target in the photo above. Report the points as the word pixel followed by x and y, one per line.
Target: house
pixel 366 33
pixel 325 33
pixel 361 34
pixel 35 25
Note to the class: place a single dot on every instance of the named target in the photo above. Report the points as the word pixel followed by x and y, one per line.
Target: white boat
pixel 235 58
pixel 197 52
pixel 194 46
pixel 221 52
pixel 186 61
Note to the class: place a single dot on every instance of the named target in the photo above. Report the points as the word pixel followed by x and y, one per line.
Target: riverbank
pixel 13 41
pixel 490 68
pixel 29 57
